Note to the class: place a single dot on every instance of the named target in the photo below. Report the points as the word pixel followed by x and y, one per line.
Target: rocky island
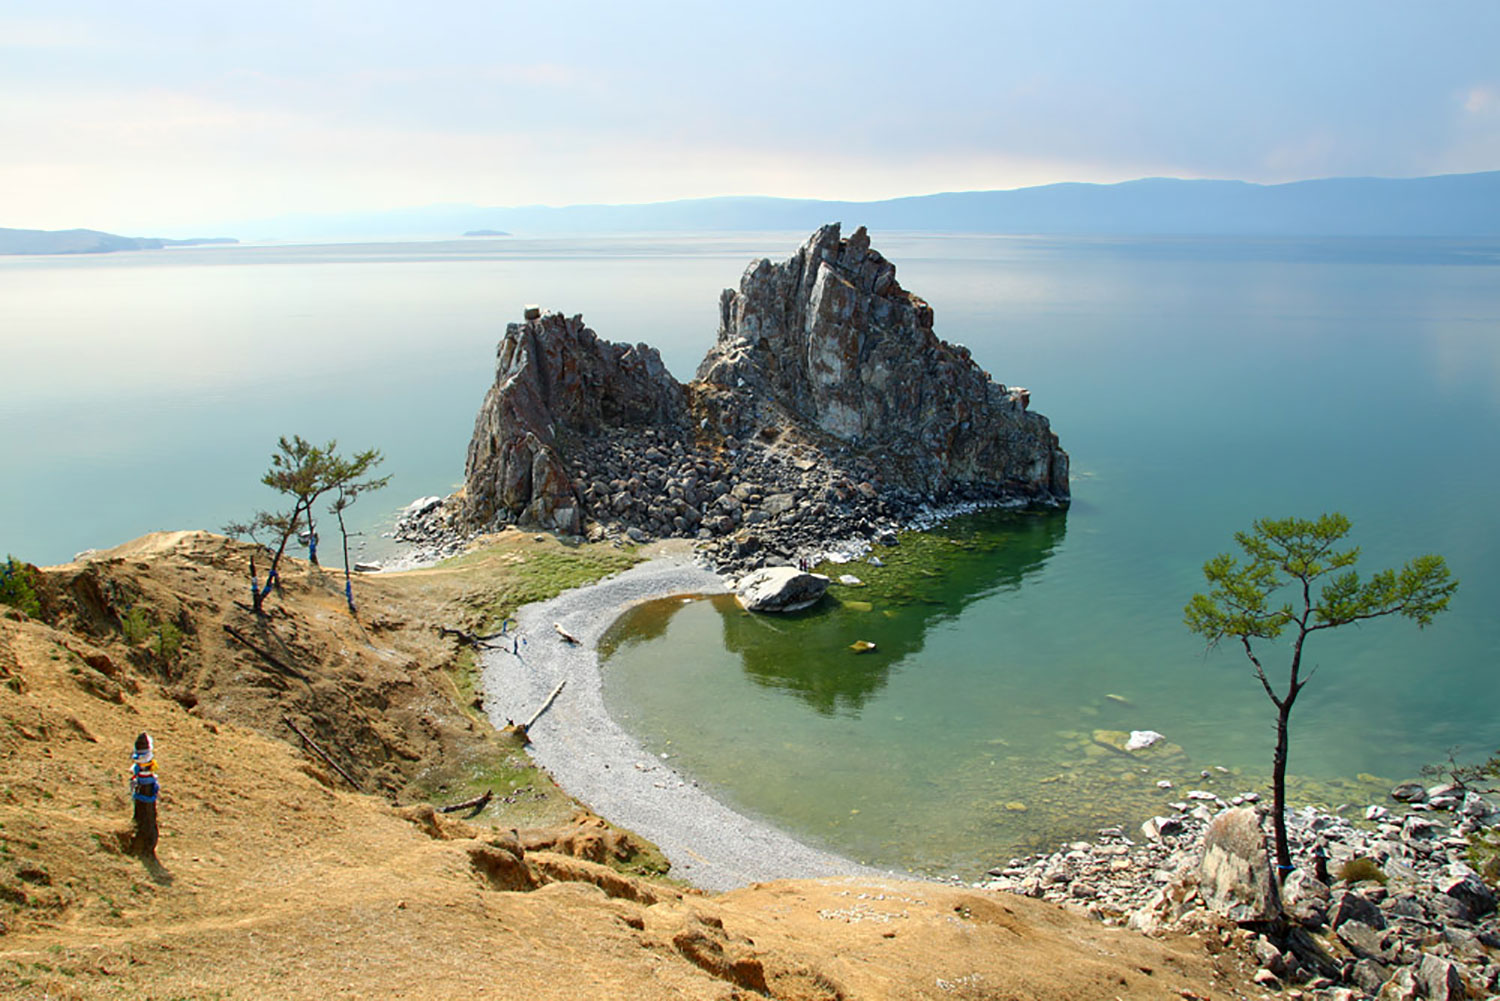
pixel 828 408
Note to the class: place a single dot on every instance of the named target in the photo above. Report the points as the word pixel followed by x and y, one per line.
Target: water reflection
pixel 928 580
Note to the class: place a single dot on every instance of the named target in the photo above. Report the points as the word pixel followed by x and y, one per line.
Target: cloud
pixel 1482 100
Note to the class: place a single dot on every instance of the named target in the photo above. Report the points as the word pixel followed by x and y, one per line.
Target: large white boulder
pixel 779 589
pixel 1235 875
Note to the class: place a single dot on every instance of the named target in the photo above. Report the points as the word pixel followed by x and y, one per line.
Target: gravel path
pixel 597 762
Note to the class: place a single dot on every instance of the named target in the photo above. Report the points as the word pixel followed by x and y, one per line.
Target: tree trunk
pixel 1278 787
pixel 145 829
pixel 348 581
pixel 256 598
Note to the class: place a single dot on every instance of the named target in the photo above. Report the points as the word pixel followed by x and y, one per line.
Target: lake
pixel 1197 384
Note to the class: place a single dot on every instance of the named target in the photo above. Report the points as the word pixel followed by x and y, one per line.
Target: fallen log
pixel 476 804
pixel 320 753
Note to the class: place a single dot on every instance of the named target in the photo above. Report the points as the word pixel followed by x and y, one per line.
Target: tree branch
pixel 1260 672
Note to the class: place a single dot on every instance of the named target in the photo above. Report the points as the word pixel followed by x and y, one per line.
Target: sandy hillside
pixel 275 879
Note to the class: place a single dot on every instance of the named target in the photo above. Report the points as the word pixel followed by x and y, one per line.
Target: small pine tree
pixel 1272 592
pixel 18 586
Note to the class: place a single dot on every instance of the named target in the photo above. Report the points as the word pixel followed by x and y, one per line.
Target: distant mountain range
pixel 1449 205
pixel 1452 205
pixel 87 241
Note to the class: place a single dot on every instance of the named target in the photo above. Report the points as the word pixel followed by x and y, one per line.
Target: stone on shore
pixel 780 589
pixel 1236 871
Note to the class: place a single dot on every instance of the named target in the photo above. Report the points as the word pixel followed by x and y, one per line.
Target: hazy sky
pixel 165 117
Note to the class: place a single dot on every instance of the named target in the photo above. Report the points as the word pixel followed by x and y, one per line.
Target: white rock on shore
pixel 780 589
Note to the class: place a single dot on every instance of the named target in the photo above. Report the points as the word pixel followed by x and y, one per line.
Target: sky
pixel 171 118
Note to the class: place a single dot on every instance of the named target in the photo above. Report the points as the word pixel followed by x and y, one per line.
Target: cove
pixel 970 734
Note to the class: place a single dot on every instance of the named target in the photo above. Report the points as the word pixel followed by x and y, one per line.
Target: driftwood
pixel 265 654
pixel 476 804
pixel 524 729
pixel 567 636
pixel 545 705
pixel 320 753
pixel 471 639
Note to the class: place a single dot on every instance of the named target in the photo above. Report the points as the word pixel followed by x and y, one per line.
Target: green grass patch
pixel 1361 869
pixel 465 676
pixel 530 575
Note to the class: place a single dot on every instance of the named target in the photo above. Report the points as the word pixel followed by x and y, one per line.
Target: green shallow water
pixel 967 735
pixel 1197 385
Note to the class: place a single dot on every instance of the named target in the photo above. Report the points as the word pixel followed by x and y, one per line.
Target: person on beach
pixel 144 788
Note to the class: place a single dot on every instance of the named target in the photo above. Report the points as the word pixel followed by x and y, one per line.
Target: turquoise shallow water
pixel 1198 384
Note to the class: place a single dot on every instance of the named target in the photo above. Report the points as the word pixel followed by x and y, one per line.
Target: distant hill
pixel 87 241
pixel 1452 205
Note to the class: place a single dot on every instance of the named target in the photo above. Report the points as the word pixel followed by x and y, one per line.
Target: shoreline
pixel 597 762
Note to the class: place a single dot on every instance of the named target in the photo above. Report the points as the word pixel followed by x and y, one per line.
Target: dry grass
pixel 274 880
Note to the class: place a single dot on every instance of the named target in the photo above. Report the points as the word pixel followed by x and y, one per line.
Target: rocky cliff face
pixel 828 406
pixel 556 383
pixel 830 340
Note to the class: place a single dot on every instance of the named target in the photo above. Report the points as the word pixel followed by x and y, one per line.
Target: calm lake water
pixel 1197 384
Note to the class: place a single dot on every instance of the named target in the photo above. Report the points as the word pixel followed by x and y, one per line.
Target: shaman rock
pixel 829 340
pixel 556 382
pixel 828 405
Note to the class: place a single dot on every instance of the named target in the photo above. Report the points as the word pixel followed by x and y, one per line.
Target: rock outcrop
pixel 557 382
pixel 827 407
pixel 831 341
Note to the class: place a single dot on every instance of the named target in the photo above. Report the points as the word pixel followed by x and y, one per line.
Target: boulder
pixel 1402 986
pixel 1350 906
pixel 1409 792
pixel 1438 979
pixel 1365 941
pixel 1235 874
pixel 1157 828
pixel 1462 884
pixel 1300 886
pixel 1368 975
pixel 1142 739
pixel 780 589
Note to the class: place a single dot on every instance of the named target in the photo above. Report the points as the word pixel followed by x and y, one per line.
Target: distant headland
pixel 89 241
